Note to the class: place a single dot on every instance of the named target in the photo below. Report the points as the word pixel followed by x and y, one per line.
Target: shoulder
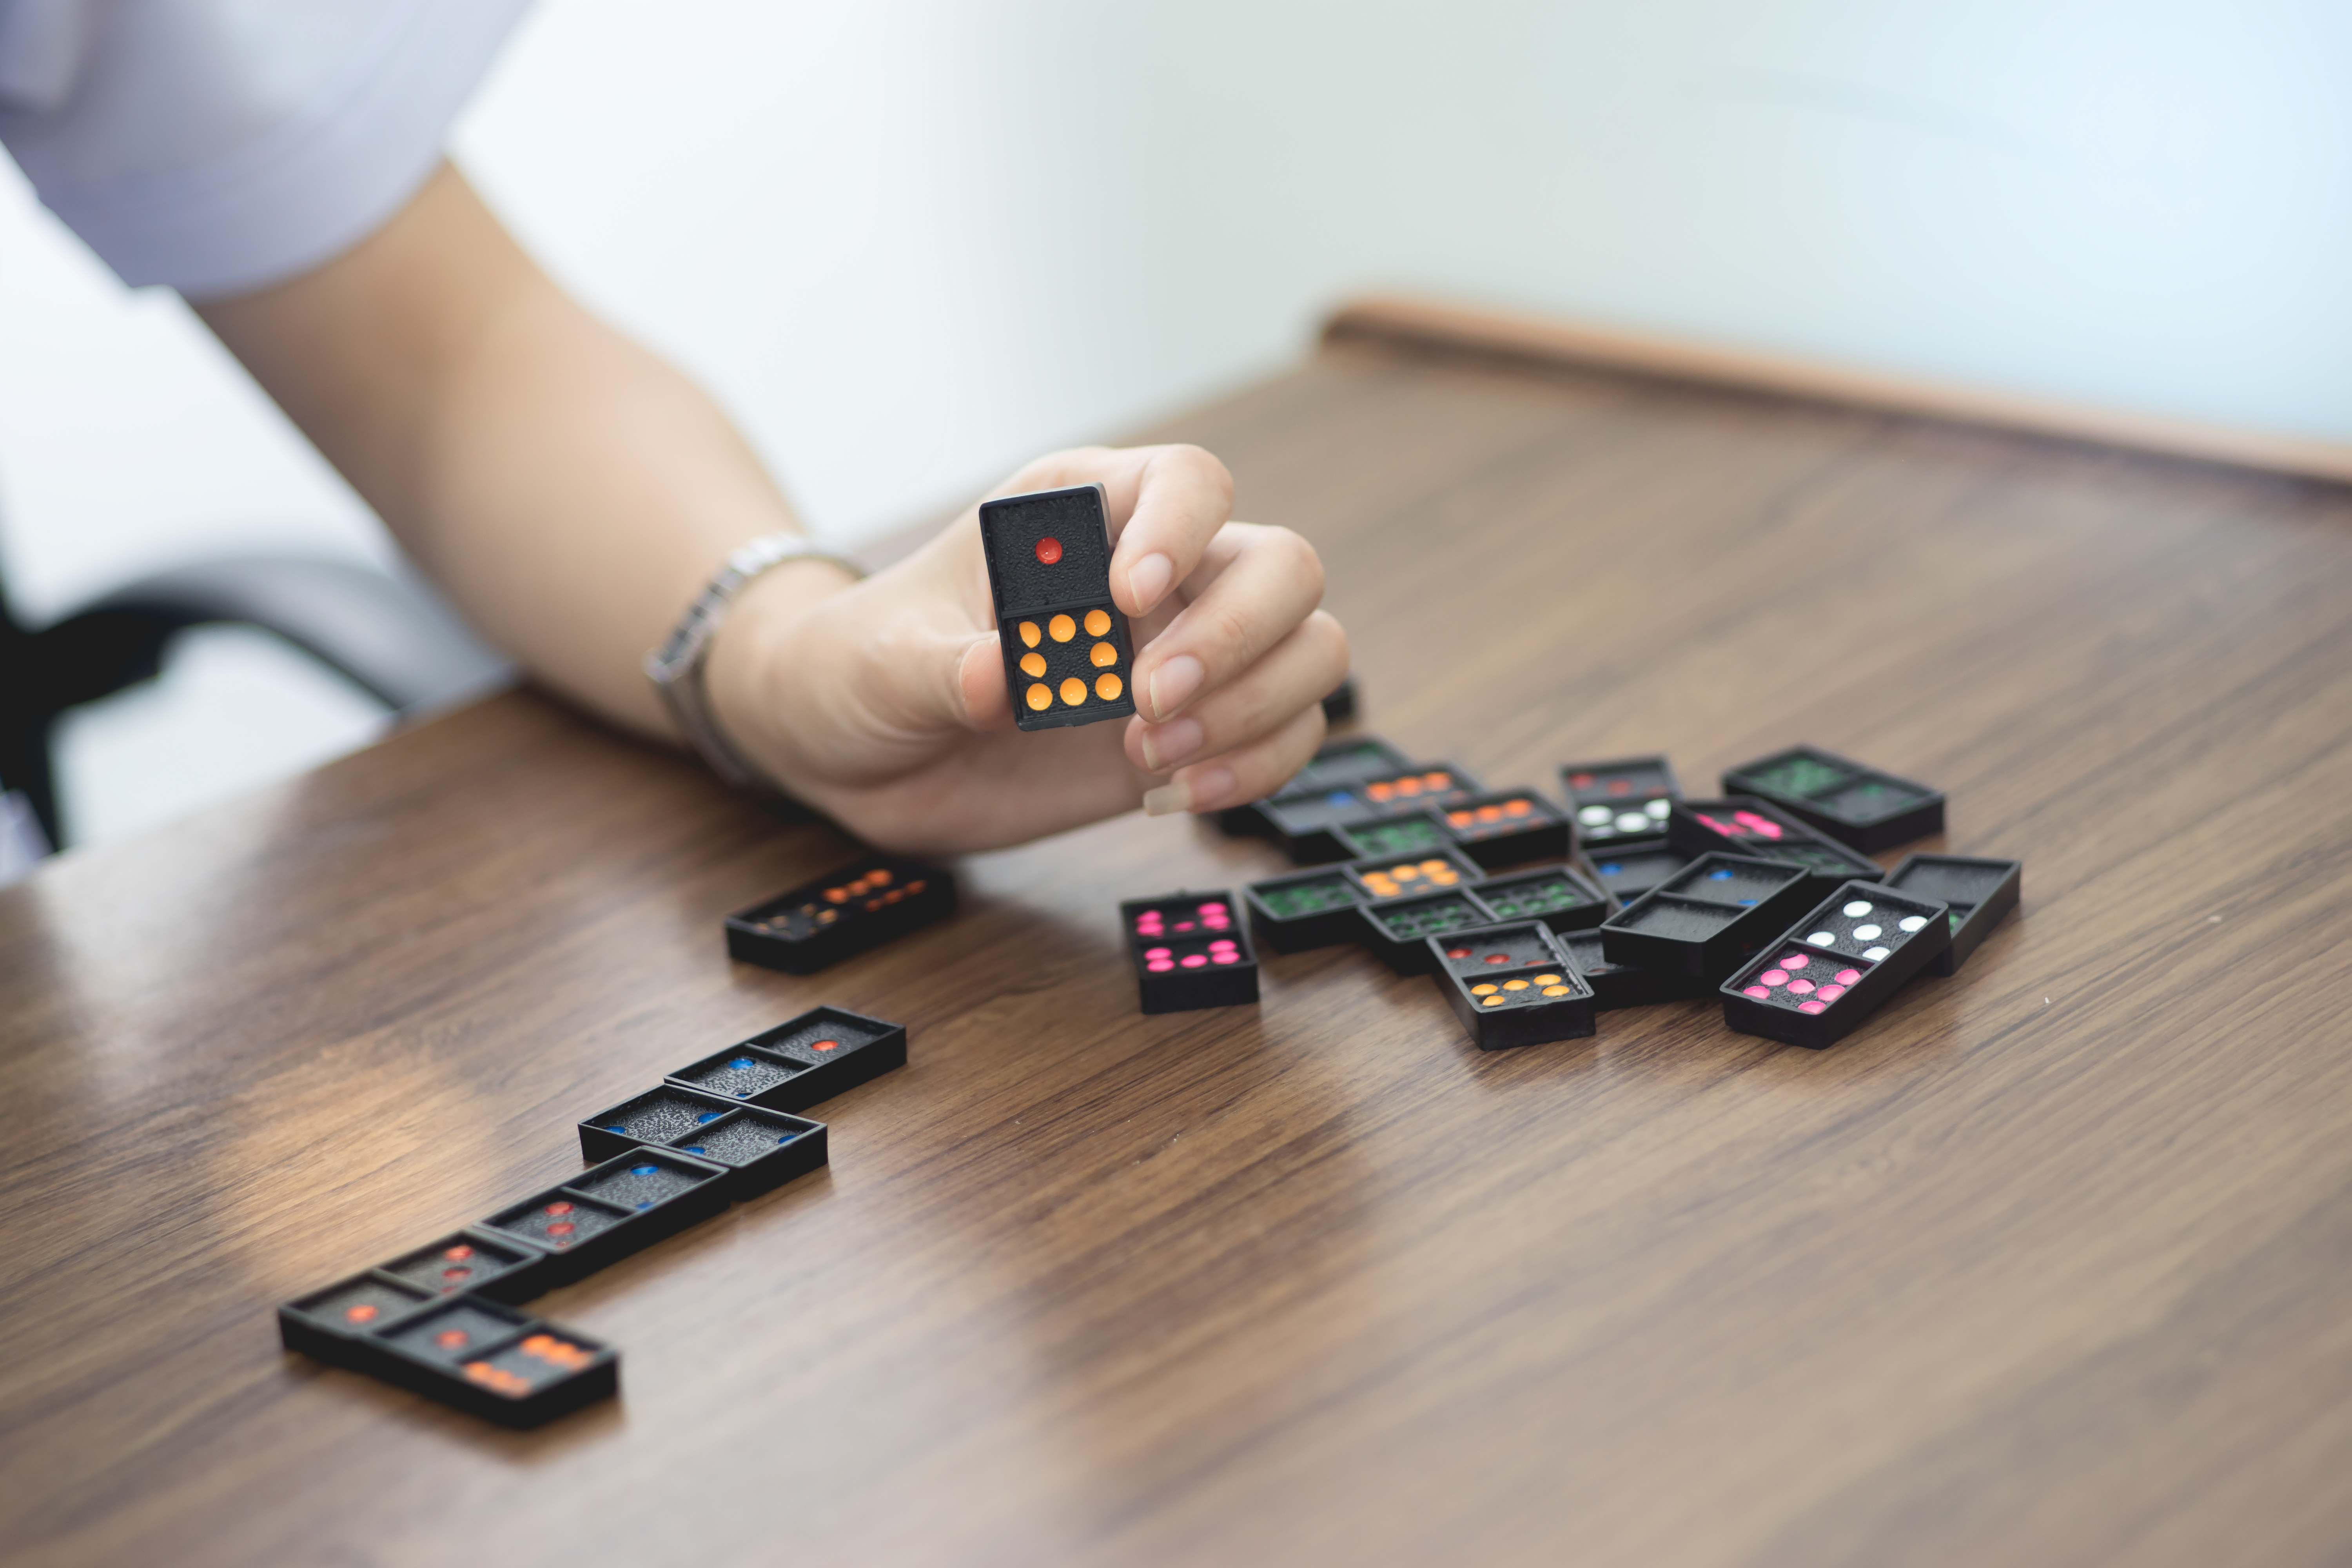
pixel 220 145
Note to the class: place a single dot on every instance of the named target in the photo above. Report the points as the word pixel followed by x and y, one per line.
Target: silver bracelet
pixel 675 667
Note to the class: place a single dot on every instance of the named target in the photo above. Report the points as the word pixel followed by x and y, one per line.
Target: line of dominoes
pixel 441 1319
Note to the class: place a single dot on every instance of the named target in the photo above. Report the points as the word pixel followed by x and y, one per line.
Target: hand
pixel 883 703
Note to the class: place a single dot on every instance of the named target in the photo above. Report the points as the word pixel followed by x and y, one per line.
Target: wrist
pixel 749 658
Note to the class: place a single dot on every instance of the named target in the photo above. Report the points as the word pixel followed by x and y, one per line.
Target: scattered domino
pixel 1744 825
pixel 1336 764
pixel 1305 821
pixel 1304 909
pixel 1854 804
pixel 1190 951
pixel 1625 985
pixel 1560 896
pixel 1635 867
pixel 1508 829
pixel 1620 802
pixel 859 907
pixel 1981 893
pixel 1832 970
pixel 1702 920
pixel 1512 986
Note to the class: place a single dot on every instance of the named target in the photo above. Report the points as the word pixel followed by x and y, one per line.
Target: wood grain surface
pixel 2050 1263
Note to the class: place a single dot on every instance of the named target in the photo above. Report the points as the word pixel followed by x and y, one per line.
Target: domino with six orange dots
pixel 1507 828
pixel 1068 655
pixel 860 906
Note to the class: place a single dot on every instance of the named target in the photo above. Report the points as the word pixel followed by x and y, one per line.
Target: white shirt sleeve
pixel 218 146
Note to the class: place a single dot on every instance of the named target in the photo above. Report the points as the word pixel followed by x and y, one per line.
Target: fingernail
pixel 1209 786
pixel 1148 579
pixel 1173 683
pixel 1171 744
pixel 1167 800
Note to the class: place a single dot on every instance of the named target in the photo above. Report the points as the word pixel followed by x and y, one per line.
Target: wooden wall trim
pixel 1431 323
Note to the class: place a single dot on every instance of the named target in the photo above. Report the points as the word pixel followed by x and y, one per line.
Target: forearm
pixel 569 490
pixel 573 494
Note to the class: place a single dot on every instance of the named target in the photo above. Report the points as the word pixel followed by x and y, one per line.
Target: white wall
pixel 911 243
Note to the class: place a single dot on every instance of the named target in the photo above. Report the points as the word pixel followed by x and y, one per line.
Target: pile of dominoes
pixel 1532 918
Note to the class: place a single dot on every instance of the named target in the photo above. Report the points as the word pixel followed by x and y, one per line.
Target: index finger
pixel 1174 501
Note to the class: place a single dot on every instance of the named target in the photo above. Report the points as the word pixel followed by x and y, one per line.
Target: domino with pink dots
pixel 1190 950
pixel 1834 967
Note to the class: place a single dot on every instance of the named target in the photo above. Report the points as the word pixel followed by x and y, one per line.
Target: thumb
pixel 861 691
pixel 911 680
pixel 980 684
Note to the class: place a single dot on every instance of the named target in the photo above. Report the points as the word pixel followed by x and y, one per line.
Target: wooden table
pixel 2050 1263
